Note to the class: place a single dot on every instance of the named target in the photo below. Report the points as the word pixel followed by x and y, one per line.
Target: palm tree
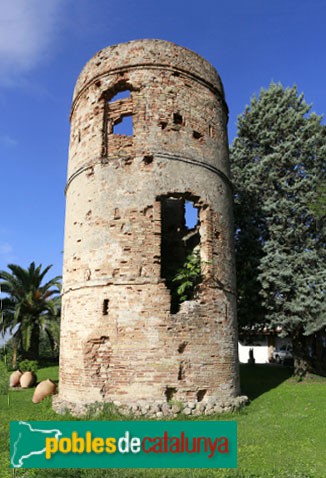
pixel 29 307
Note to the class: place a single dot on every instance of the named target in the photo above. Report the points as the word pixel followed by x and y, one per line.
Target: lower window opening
pixel 180 249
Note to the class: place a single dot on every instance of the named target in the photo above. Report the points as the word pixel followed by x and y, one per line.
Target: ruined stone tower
pixel 126 335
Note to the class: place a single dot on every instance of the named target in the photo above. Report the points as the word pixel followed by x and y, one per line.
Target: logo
pixel 142 444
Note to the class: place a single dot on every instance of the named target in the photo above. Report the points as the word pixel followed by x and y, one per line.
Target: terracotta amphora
pixel 14 380
pixel 28 379
pixel 44 389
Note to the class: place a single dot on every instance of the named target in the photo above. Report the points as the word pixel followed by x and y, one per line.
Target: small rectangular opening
pixel 200 395
pixel 196 135
pixel 177 118
pixel 148 159
pixel 182 347
pixel 181 372
pixel 169 393
pixel 105 309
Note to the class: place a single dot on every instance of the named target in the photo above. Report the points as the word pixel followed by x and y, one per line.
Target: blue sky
pixel 44 45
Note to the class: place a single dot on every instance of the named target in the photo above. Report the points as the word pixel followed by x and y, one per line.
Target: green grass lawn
pixel 281 434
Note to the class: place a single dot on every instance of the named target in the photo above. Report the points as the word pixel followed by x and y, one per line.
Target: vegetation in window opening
pixel 187 277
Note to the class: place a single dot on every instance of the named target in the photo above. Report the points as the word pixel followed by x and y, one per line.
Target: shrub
pixel 28 366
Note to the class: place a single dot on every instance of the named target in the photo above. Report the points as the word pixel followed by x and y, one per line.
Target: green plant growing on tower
pixel 188 276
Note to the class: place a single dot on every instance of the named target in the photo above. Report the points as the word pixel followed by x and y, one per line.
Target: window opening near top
pixel 124 126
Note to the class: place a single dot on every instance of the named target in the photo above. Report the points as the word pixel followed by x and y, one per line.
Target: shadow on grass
pixel 260 378
pixel 47 362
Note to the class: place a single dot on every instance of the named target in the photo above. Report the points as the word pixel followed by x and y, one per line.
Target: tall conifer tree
pixel 278 165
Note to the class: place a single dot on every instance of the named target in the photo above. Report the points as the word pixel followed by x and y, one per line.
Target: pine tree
pixel 278 164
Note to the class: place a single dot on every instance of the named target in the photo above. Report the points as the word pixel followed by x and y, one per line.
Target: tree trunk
pixel 52 342
pixel 302 359
pixel 33 351
pixel 14 355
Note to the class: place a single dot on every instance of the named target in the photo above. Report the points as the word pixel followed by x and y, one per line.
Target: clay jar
pixel 14 380
pixel 27 380
pixel 44 389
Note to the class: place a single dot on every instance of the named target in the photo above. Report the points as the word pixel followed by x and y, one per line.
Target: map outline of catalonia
pixel 20 461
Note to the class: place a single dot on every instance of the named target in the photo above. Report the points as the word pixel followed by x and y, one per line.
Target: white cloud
pixel 7 255
pixel 27 30
pixel 7 141
pixel 5 249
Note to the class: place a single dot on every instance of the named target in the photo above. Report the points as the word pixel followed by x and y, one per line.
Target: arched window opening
pixel 121 95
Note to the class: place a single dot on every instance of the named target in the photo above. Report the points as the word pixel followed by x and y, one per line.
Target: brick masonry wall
pixel 119 339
